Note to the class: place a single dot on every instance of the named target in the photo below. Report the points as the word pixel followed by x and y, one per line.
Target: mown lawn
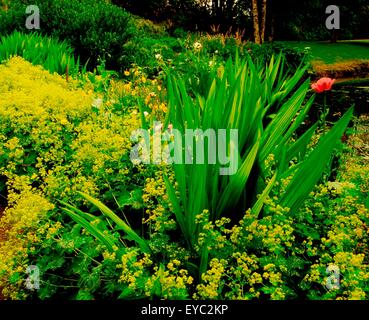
pixel 331 53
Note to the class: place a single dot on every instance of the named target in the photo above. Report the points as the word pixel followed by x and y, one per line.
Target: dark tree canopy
pixel 285 19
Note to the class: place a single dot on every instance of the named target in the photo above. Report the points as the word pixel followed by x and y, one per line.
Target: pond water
pixel 343 97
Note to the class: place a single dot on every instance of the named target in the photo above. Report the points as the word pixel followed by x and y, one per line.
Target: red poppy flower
pixel 323 84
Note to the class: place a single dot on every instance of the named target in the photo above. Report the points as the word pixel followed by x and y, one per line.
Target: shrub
pixel 97 30
pixel 226 46
pixel 294 56
pixel 198 66
pixel 150 52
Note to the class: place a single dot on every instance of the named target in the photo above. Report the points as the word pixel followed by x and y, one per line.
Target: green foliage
pixel 184 13
pixel 97 30
pixel 86 220
pixel 150 51
pixel 305 20
pixel 103 32
pixel 160 55
pixel 52 55
pixel 245 97
pixel 267 232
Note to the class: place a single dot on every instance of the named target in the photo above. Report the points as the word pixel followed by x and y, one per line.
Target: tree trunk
pixel 255 18
pixel 263 20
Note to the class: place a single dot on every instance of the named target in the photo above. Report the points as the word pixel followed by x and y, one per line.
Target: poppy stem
pixel 324 115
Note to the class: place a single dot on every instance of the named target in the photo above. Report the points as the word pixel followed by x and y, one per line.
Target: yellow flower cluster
pixel 133 268
pixel 276 236
pixel 352 275
pixel 173 282
pixel 356 169
pixel 346 239
pixel 56 113
pixel 156 201
pixel 212 280
pixel 139 87
pixel 246 279
pixel 17 88
pixel 19 223
pixel 52 123
pixel 60 137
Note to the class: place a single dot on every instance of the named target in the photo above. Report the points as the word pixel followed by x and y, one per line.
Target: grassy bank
pixel 343 60
pixel 331 53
